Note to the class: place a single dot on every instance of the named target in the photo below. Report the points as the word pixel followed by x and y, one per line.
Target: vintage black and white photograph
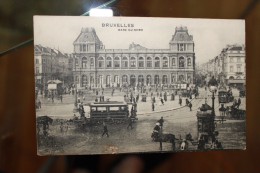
pixel 107 85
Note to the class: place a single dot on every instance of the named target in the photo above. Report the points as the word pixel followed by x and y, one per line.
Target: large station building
pixel 96 66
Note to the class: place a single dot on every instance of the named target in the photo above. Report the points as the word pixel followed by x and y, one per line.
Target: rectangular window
pixel 76 62
pixel 100 64
pixel 37 70
pixel 149 64
pixel 231 68
pixel 125 64
pixel 84 48
pixel 102 109
pixel 114 108
pixel 133 63
pixel 173 62
pixel 117 64
pixel 91 61
pixel 109 64
pixel 157 64
pixel 37 61
pixel 165 64
pixel 238 59
pixel 141 64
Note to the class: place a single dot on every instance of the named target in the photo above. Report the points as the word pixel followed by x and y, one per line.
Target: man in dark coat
pixel 152 106
pixel 105 130
pixel 238 103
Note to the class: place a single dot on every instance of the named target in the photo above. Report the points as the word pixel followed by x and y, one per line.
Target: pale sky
pixel 209 35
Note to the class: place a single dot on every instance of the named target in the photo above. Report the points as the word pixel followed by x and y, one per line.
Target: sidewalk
pixel 144 108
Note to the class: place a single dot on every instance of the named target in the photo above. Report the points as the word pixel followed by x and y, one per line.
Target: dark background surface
pixel 17 114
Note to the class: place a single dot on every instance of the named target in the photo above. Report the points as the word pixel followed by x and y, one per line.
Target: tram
pixel 106 111
pixel 224 96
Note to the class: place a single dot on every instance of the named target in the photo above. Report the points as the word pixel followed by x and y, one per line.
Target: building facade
pixel 96 66
pixel 51 64
pixel 229 66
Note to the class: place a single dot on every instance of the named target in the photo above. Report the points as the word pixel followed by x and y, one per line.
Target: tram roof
pixel 110 103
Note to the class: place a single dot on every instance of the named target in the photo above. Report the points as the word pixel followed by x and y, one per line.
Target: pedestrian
pixel 187 102
pixel 52 98
pixel 165 96
pixel 152 106
pixel 238 102
pixel 39 104
pixel 61 98
pixel 190 106
pixel 137 97
pixel 180 101
pixel 105 130
pixel 130 124
pixel 162 101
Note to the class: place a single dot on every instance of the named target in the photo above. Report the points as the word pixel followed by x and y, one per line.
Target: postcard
pixel 135 85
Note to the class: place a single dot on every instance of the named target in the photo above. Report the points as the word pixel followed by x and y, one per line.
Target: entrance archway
pixel 132 80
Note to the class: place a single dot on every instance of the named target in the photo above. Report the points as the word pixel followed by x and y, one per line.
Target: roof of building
pixel 88 35
pixel 181 34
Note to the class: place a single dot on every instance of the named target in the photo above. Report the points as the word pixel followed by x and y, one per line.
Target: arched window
pixel 84 80
pixel 165 62
pixel 116 79
pixel 181 78
pixel 157 62
pixel 76 62
pixel 117 62
pixel 108 62
pixel 189 61
pixel 141 62
pixel 124 62
pixel 173 78
pixel 92 61
pixel 101 62
pixel 101 82
pixel 165 79
pixel 149 62
pixel 132 80
pixel 108 80
pixel 133 62
pixel 173 61
pixel 231 77
pixel 77 80
pixel 156 79
pixel 124 79
pixel 141 79
pixel 181 62
pixel 84 62
pixel 92 81
pixel 148 79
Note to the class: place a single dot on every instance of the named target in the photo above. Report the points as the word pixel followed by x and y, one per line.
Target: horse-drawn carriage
pixel 235 113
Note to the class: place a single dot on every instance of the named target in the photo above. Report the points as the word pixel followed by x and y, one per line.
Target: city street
pixel 178 120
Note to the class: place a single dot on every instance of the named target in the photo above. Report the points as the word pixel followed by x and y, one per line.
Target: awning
pixel 236 81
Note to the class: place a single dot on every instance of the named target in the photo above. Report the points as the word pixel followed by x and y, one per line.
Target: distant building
pixel 99 67
pixel 51 64
pixel 229 66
